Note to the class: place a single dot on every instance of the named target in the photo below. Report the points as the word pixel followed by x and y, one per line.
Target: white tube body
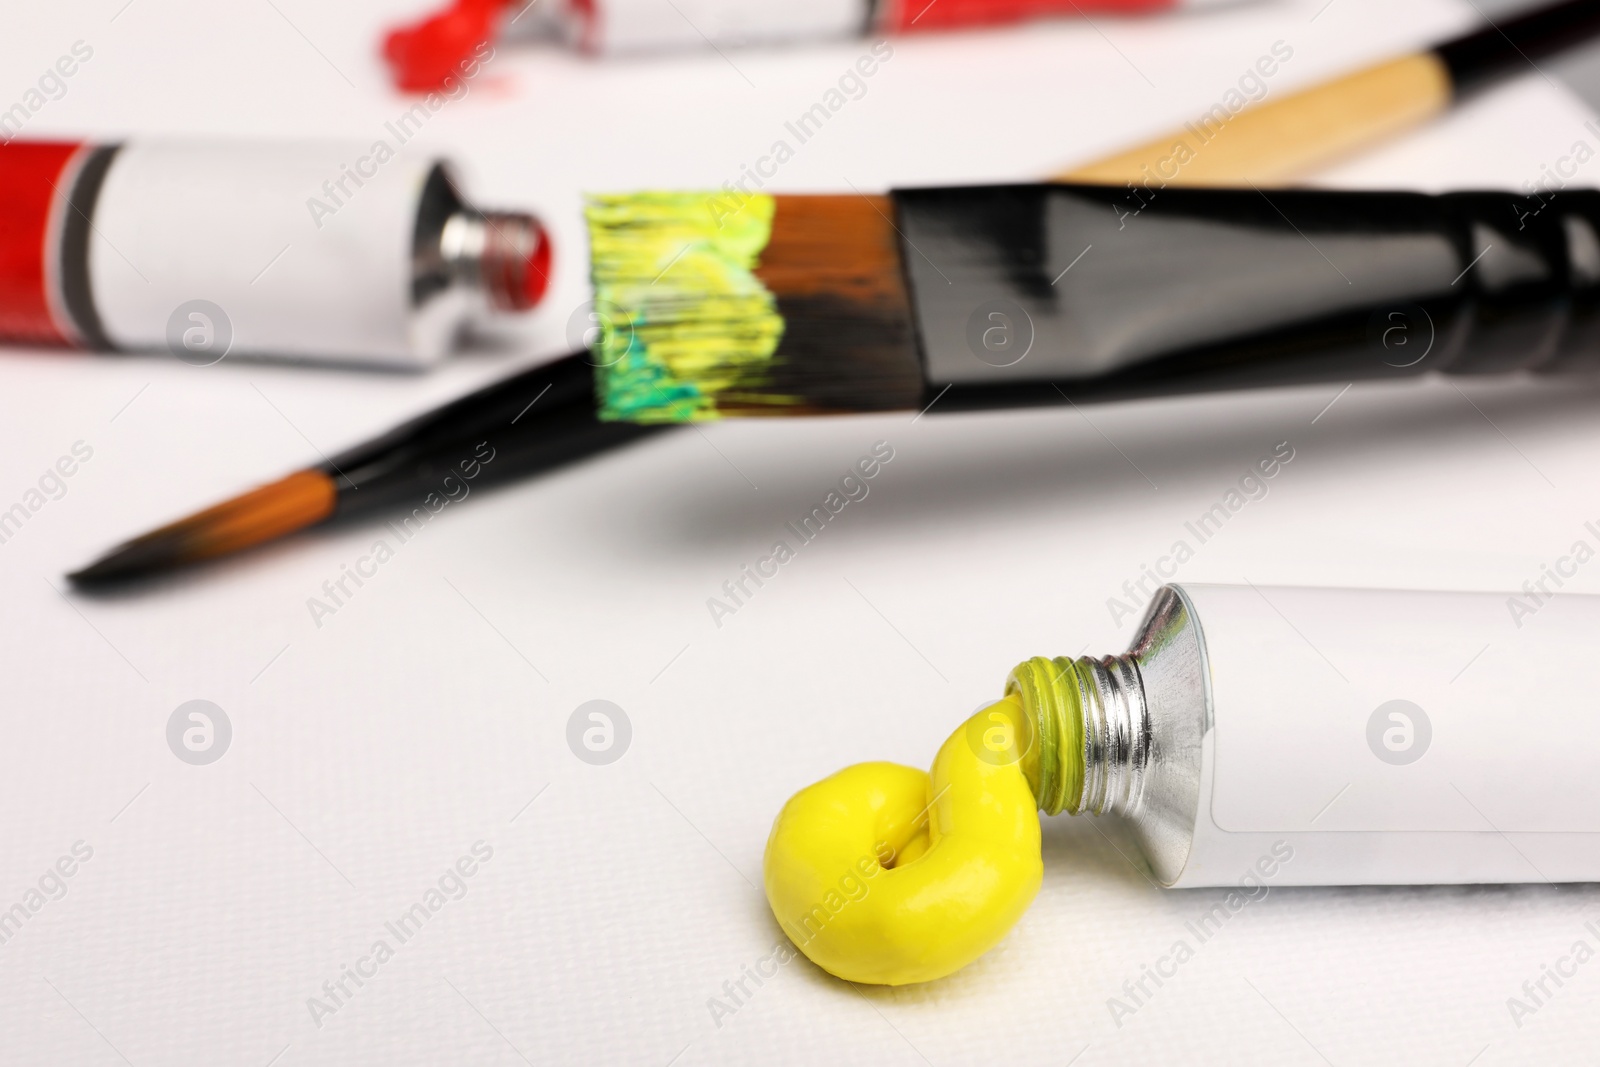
pixel 304 262
pixel 622 26
pixel 628 26
pixel 1369 737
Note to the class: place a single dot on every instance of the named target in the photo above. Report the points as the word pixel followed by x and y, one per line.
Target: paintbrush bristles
pixel 302 499
pixel 834 266
pixel 768 306
pixel 834 244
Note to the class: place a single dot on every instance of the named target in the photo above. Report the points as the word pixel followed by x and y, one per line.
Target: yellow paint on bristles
pixel 682 316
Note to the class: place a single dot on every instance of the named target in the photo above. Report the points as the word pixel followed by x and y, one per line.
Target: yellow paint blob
pixel 885 874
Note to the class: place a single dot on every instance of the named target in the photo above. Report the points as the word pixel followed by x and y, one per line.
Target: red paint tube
pixel 428 54
pixel 328 252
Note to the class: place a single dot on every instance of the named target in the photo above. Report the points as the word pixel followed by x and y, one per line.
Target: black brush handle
pixel 1032 294
pixel 1477 59
pixel 480 456
pixel 522 397
pixel 521 425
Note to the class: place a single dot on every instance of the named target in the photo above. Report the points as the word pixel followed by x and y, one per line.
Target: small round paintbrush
pixel 533 421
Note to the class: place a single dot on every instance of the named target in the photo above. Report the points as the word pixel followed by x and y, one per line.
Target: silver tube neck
pixel 1116 735
pixel 1091 742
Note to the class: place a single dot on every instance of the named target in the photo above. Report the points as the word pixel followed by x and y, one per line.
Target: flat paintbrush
pixel 530 422
pixel 1016 295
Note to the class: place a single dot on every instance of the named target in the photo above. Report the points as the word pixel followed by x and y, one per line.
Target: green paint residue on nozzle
pixel 1051 692
pixel 683 318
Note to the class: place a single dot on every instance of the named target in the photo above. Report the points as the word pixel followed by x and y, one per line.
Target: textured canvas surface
pixel 424 722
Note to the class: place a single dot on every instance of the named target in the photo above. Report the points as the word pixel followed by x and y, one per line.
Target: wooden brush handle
pixel 1280 140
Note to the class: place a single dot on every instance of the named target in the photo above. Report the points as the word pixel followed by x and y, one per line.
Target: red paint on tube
pixel 911 15
pixel 32 177
pixel 427 54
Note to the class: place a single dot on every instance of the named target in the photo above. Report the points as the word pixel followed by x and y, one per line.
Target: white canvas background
pixel 371 752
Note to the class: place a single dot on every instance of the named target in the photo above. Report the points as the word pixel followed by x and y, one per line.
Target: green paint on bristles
pixel 685 323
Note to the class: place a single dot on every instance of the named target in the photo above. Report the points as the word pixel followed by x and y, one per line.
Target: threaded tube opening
pixel 505 255
pixel 516 260
pixel 1053 762
pixel 1091 732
